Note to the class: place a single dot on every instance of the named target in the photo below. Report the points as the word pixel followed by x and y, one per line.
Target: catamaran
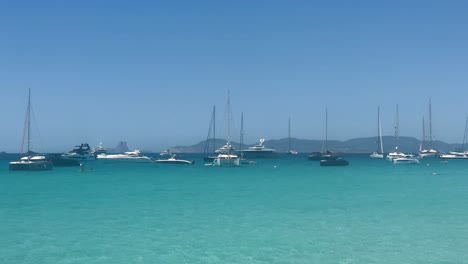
pixel 379 153
pixel 227 159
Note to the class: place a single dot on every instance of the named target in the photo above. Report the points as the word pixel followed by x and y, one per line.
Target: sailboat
pixel 396 154
pixel 429 152
pixel 398 157
pixel 227 159
pixel 460 154
pixel 31 161
pixel 318 156
pixel 327 158
pixel 212 128
pixel 290 152
pixel 379 153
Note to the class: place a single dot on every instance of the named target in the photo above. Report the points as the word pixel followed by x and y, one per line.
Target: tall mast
pixel 242 134
pixel 326 129
pixel 214 128
pixel 397 131
pixel 380 130
pixel 430 124
pixel 289 134
pixel 465 135
pixel 29 120
pixel 228 123
pixel 423 139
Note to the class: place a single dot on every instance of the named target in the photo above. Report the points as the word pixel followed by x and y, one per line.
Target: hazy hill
pixel 358 145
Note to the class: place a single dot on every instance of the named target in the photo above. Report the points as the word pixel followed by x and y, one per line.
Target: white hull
pixel 454 156
pixel 428 154
pixel 376 155
pixel 405 161
pixel 174 161
pixel 124 159
pixel 226 161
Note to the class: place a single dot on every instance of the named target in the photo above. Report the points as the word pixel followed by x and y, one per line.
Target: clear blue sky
pixel 149 72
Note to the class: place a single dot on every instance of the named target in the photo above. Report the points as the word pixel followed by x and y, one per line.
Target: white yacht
pixel 130 156
pixel 80 153
pixel 379 153
pixel 260 151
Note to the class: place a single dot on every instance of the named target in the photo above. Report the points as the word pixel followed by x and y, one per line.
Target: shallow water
pixel 287 210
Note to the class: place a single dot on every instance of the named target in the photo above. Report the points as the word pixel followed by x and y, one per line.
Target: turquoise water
pixel 296 212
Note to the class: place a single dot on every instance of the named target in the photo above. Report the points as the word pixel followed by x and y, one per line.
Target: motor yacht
pixel 130 156
pixel 80 153
pixel 260 151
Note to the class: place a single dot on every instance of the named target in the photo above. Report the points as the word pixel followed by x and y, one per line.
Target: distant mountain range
pixel 358 145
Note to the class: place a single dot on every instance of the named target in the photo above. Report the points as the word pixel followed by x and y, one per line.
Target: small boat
pixel 379 153
pixel 407 159
pixel 334 161
pixel 31 161
pixel 81 153
pixel 130 156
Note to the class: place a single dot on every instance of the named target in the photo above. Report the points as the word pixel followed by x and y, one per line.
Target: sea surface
pixel 287 210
